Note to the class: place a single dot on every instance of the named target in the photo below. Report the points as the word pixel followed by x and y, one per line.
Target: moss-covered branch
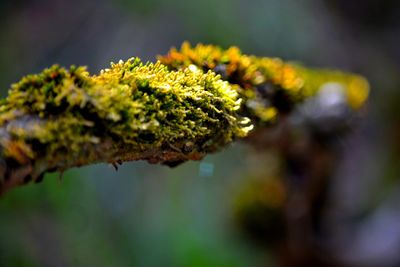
pixel 192 102
pixel 268 86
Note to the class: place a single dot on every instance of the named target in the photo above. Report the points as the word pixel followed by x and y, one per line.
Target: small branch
pixel 166 114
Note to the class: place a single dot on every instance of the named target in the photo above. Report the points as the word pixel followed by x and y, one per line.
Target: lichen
pixel 269 86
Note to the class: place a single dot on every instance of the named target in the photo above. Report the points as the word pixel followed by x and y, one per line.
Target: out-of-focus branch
pixel 195 101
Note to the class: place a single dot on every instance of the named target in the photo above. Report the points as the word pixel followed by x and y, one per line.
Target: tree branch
pixel 192 102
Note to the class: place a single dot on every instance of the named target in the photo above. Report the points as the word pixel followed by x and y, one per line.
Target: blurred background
pixel 204 213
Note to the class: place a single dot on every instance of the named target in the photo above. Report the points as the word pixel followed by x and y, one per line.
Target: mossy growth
pixel 269 86
pixel 61 118
pixel 193 101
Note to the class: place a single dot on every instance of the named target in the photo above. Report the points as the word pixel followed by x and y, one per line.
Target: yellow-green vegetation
pixel 61 118
pixel 269 86
pixel 192 102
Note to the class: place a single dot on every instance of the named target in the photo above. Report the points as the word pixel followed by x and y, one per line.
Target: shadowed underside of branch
pixel 192 102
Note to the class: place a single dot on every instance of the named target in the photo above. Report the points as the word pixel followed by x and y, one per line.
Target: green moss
pixel 269 86
pixel 356 87
pixel 63 115
pixel 193 102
